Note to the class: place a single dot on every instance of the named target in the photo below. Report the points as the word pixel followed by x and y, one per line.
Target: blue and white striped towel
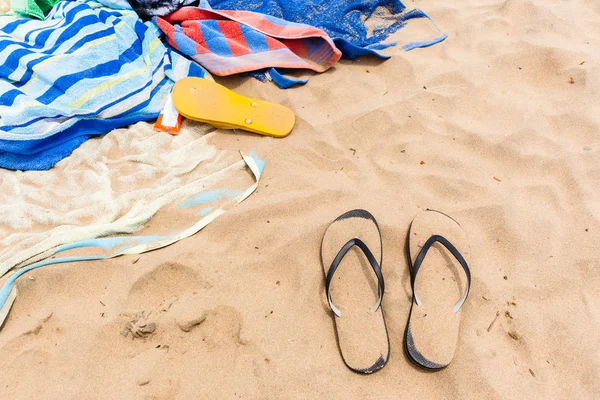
pixel 85 70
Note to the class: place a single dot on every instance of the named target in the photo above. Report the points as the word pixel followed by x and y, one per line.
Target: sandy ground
pixel 497 126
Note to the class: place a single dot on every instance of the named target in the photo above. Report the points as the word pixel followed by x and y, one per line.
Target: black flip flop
pixel 440 277
pixel 352 253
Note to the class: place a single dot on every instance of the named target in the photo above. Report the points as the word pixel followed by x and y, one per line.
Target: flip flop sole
pixel 361 332
pixel 432 331
pixel 206 101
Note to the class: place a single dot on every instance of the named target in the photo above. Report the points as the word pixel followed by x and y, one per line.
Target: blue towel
pixel 85 70
pixel 343 20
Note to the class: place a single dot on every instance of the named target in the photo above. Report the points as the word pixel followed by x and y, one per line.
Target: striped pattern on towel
pixel 84 71
pixel 231 42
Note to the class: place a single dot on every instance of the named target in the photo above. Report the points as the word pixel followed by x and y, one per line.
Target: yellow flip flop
pixel 206 101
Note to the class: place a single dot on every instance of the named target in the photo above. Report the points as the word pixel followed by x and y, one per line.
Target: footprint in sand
pixel 154 293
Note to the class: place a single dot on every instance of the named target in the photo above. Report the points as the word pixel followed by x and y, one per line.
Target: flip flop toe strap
pixel 338 259
pixel 421 256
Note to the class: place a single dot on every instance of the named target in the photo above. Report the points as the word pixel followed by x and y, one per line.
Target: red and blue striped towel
pixel 231 42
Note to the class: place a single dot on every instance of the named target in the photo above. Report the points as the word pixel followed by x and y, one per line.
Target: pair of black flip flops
pixel 352 256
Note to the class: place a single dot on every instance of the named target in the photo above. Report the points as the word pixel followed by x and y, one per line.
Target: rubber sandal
pixel 206 101
pixel 352 253
pixel 440 277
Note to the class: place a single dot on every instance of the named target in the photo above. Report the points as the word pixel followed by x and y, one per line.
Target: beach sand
pixel 498 126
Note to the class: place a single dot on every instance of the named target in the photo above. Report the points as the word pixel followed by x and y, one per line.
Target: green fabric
pixel 32 8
